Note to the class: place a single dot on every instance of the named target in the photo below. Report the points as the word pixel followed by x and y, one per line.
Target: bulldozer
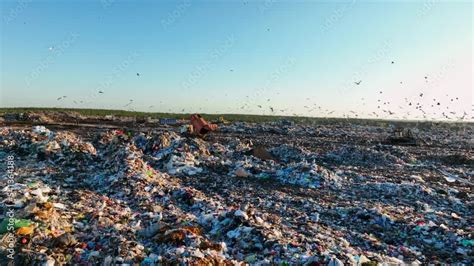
pixel 403 137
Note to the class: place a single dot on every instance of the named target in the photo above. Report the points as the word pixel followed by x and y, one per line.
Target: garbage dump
pixel 248 194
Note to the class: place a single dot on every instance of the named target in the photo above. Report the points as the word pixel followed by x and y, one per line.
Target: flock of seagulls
pixel 384 106
pixel 76 102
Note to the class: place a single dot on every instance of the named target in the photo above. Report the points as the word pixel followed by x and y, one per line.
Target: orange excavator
pixel 199 126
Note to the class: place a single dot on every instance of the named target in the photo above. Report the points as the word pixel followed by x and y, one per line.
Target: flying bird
pixel 358 82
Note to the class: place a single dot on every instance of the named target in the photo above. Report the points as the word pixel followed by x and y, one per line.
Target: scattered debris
pixel 324 194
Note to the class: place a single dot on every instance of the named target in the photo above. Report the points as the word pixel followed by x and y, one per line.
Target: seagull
pixel 130 102
pixel 393 62
pixel 101 92
pixel 421 94
pixel 358 82
pixel 138 74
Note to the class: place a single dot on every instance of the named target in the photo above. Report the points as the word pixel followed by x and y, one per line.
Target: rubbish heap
pixel 257 194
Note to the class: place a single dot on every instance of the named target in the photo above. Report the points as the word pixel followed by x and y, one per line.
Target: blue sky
pixel 240 56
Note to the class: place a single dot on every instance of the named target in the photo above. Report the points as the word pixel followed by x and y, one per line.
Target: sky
pixel 385 59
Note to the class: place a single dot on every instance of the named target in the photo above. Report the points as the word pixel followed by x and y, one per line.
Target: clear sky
pixel 295 57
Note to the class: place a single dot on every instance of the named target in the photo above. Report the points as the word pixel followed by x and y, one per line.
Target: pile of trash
pixel 161 197
pixel 363 156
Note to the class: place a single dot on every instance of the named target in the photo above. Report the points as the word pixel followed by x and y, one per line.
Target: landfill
pixel 270 193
